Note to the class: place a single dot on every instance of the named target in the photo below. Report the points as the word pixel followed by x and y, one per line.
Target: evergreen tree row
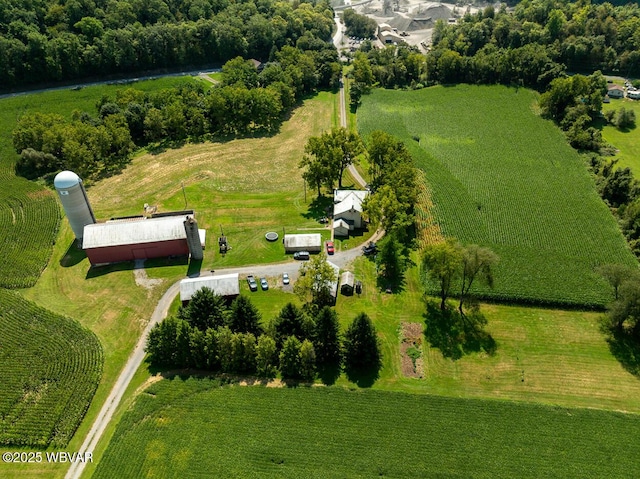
pixel 209 335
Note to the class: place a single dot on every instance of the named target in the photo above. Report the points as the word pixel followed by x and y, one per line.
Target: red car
pixel 330 247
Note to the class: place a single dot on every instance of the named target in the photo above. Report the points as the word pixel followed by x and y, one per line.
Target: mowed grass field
pixel 194 427
pixel 50 368
pixel 627 142
pixel 243 187
pixel 503 177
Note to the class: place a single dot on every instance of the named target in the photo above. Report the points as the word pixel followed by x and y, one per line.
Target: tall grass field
pixel 50 368
pixel 195 428
pixel 503 177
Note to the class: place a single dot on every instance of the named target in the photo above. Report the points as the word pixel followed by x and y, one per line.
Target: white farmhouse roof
pixel 223 284
pixel 340 195
pixel 350 202
pixel 302 240
pixel 145 230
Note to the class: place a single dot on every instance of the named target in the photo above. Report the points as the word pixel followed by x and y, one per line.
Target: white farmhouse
pixel 347 211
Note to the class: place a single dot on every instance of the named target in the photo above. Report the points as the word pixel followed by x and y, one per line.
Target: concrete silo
pixel 74 201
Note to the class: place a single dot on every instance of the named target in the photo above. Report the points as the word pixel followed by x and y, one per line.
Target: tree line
pixel 583 36
pixel 46 41
pixel 245 102
pixel 209 335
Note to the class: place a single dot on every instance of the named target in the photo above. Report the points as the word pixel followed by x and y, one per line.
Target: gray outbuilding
pixel 302 242
pixel 225 285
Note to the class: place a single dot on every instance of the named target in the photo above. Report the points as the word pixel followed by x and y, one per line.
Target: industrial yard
pixel 412 20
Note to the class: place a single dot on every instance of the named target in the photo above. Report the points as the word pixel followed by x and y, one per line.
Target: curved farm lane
pixel 341 259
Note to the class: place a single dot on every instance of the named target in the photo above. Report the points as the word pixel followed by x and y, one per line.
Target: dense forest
pixel 48 40
pixel 582 36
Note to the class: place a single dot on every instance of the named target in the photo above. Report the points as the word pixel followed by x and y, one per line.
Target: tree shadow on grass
pixel 363 378
pixel 456 335
pixel 319 208
pixel 624 347
pixel 392 286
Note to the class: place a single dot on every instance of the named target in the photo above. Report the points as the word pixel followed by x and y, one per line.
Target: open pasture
pixel 50 367
pixel 246 186
pixel 627 141
pixel 501 176
pixel 194 427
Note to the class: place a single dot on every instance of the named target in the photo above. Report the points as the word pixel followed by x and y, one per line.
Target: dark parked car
pixel 253 286
pixel 369 249
pixel 301 255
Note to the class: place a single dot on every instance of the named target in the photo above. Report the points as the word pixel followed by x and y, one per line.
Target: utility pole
pixel 184 193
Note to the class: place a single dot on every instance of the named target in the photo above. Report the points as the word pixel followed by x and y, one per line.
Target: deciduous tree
pixel 315 281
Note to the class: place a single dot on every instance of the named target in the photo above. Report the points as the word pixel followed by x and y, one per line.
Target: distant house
pixel 257 64
pixel 347 283
pixel 615 91
pixel 302 242
pixel 347 211
pixel 225 285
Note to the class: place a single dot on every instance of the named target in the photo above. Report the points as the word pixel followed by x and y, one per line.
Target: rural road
pixel 341 259
pixel 108 82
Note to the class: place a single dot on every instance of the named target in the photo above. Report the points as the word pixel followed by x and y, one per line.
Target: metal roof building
pixel 136 238
pixel 334 284
pixel 302 242
pixel 347 283
pixel 225 285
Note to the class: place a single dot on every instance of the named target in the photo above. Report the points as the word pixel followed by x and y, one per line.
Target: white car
pixel 285 278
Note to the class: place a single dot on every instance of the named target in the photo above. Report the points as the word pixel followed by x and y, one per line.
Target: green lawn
pixel 626 141
pixel 195 427
pixel 503 177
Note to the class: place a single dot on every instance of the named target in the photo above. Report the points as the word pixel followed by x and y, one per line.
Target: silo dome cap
pixel 66 179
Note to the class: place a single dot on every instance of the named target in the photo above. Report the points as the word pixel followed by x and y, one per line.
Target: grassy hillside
pixel 194 427
pixel 503 177
pixel 50 367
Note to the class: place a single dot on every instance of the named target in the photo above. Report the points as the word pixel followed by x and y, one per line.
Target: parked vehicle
pixel 285 278
pixel 302 255
pixel 370 249
pixel 264 284
pixel 330 248
pixel 253 286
